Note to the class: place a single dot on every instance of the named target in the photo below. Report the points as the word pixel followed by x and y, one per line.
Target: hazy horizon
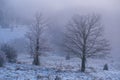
pixel 61 11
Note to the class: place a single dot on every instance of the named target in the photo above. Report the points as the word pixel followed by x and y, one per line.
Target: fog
pixel 58 12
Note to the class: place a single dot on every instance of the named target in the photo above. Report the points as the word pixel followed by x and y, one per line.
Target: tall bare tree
pixel 1 11
pixel 37 44
pixel 84 37
pixel 3 15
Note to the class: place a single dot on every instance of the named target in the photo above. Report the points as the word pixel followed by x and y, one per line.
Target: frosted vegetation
pixel 65 46
pixel 18 65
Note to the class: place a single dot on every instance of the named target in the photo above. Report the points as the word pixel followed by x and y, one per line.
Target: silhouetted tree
pixel 37 44
pixel 84 37
pixel 3 14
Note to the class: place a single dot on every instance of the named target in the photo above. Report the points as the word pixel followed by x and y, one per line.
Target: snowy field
pixel 55 61
pixel 53 65
pixel 56 66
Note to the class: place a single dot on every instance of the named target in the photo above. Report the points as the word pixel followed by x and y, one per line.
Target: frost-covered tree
pixel 84 37
pixel 37 43
pixel 1 11
pixel 3 15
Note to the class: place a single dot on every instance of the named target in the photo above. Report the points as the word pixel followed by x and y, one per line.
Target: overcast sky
pixel 60 9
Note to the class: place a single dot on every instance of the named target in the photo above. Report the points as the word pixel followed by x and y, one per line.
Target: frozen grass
pixel 52 66
pixel 30 72
pixel 70 65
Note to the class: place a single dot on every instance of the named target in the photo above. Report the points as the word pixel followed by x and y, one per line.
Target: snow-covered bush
pixel 2 58
pixel 67 57
pixel 105 67
pixel 10 52
pixel 57 78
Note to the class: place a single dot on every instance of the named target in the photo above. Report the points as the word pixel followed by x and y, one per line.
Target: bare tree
pixel 1 11
pixel 84 37
pixel 3 15
pixel 37 44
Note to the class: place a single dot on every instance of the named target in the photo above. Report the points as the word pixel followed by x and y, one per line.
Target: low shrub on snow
pixel 67 57
pixel 10 52
pixel 2 58
pixel 57 78
pixel 105 67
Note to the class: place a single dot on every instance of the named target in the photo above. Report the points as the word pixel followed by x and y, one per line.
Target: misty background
pixel 59 12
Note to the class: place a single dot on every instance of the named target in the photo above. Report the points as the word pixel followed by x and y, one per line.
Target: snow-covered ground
pixel 54 65
pixel 55 61
pixel 29 72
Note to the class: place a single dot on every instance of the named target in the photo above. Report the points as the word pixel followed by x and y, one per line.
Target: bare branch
pixel 84 37
pixel 37 43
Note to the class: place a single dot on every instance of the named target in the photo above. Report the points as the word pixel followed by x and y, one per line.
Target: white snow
pixel 30 72
pixel 53 65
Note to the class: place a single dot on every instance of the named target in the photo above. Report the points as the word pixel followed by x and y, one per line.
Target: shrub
pixel 68 57
pixel 57 78
pixel 2 58
pixel 105 67
pixel 10 52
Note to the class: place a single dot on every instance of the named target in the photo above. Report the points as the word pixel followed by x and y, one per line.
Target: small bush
pixel 2 58
pixel 105 67
pixel 57 78
pixel 10 52
pixel 68 57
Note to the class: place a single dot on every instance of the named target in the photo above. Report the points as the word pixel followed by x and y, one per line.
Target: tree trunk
pixel 36 60
pixel 83 64
pixel 36 57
